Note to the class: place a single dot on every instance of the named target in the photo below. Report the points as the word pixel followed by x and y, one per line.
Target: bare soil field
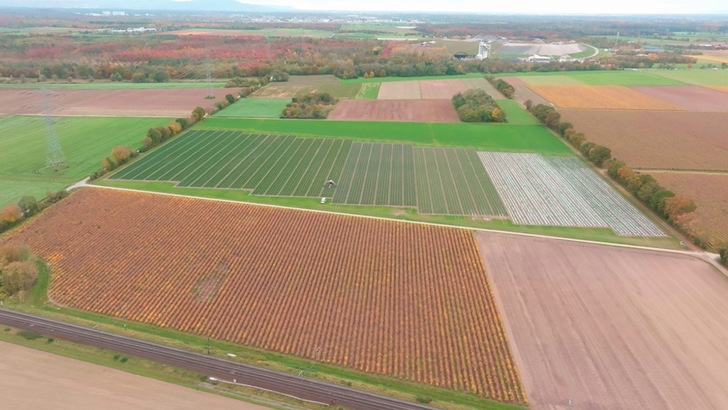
pixel 482 84
pixel 599 327
pixel 441 89
pixel 400 90
pixel 167 102
pixel 710 193
pixel 691 98
pixel 33 379
pixel 382 297
pixel 723 89
pixel 608 97
pixel 395 110
pixel 658 140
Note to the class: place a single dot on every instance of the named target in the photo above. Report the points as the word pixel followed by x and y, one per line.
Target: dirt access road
pixel 32 379
pixel 599 327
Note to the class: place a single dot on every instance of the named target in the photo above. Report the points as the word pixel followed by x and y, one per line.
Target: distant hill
pixel 192 5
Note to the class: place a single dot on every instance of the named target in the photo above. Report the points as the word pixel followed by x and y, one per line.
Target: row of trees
pixel 314 105
pixel 676 209
pixel 502 86
pixel 18 271
pixel 477 106
pixel 27 206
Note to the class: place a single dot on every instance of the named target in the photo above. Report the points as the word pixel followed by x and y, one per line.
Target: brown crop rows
pixel 610 97
pixel 404 300
pixel 395 110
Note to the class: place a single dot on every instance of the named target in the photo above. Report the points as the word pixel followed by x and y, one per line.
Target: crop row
pixel 405 300
pixel 559 191
pixel 437 180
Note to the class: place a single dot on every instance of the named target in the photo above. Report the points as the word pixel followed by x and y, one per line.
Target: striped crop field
pixel 559 191
pixel 449 181
pixel 390 298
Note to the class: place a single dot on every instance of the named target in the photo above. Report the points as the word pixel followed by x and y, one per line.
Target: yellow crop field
pixel 723 88
pixel 609 97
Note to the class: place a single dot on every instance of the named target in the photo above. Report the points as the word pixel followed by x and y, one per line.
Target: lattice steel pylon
pixel 55 158
pixel 210 94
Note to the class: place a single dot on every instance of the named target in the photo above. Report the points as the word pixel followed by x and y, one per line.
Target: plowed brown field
pixel 404 300
pixel 599 327
pixel 663 140
pixel 400 90
pixel 168 102
pixel 395 110
pixel 691 98
pixel 710 193
pixel 608 97
pixel 441 89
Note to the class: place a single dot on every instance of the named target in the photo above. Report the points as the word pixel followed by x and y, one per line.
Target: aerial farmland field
pixel 395 110
pixel 389 298
pixel 610 328
pixel 538 190
pixel 165 102
pixel 602 97
pixel 85 141
pixel 657 140
pixel 255 108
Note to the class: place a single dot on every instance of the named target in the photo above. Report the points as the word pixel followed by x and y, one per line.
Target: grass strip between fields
pixel 484 137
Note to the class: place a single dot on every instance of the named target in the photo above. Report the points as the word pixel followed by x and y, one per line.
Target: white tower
pixel 483 50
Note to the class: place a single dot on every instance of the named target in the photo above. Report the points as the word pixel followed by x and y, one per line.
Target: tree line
pixel 678 210
pixel 18 270
pixel 310 106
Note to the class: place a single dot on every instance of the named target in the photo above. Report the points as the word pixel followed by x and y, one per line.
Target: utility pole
pixel 55 158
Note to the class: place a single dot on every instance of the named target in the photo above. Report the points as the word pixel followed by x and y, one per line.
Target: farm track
pixel 284 383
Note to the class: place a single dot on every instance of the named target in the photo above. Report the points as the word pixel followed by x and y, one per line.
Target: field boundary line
pixel 704 256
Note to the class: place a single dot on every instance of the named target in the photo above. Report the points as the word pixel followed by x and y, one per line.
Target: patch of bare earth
pixel 523 93
pixel 662 140
pixel 441 89
pixel 113 103
pixel 710 194
pixel 32 379
pixel 395 110
pixel 691 98
pixel 400 90
pixel 599 327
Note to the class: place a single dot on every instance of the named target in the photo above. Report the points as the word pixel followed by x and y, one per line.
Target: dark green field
pixel 449 181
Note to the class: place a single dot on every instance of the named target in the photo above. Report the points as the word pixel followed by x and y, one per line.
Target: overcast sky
pixel 500 6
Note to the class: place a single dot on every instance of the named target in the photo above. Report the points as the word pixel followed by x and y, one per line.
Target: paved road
pixel 304 388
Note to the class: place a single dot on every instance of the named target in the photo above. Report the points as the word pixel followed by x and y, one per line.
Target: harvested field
pixel 696 77
pixel 114 103
pixel 482 84
pixel 390 298
pixel 33 379
pixel 660 140
pixel 710 193
pixel 611 328
pixel 400 90
pixel 557 191
pixel 608 97
pixel 523 92
pixel 395 110
pixel 691 98
pixel 293 89
pixel 441 89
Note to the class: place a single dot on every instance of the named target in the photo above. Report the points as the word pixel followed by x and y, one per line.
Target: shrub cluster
pixel 477 106
pixel 506 89
pixel 18 272
pixel 310 106
pixel 724 256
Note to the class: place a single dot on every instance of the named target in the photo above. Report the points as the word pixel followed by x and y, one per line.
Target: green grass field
pixel 255 108
pixel 516 114
pixel 697 77
pixel 483 137
pixel 369 91
pixel 85 141
pixel 110 85
pixel 389 79
pixel 621 77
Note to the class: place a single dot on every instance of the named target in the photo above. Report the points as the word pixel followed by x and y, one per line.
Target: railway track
pixel 228 370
